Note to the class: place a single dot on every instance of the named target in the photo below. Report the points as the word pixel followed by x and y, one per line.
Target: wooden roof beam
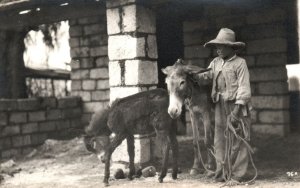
pixel 49 14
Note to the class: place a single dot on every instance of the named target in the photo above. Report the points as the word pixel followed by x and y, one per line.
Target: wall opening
pixel 47 58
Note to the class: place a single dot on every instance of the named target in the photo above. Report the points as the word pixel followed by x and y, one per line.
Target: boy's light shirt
pixel 238 87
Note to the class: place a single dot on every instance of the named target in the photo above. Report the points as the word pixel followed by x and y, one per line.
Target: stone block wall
pixel 27 123
pixel 90 79
pixel 265 34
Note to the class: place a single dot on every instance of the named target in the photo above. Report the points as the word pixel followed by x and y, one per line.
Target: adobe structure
pixel 118 48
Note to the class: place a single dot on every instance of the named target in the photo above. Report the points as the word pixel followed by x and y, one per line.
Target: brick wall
pixel 90 80
pixel 27 123
pixel 264 32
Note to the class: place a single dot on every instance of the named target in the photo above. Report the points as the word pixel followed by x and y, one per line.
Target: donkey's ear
pixel 166 70
pixel 192 69
pixel 179 62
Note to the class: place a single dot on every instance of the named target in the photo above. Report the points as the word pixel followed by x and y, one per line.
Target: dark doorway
pixel 294 104
pixel 169 39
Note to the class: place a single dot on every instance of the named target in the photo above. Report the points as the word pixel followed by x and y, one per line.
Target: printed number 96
pixel 291 174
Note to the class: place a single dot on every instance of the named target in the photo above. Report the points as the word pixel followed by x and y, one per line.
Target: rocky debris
pixel 31 154
pixel 58 148
pixel 119 174
pixel 51 149
pixel 8 168
pixel 8 164
pixel 149 171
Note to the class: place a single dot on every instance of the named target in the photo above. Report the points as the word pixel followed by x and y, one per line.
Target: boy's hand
pixel 234 116
pixel 236 110
pixel 201 78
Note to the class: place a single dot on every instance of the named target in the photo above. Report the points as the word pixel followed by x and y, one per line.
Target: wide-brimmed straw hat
pixel 227 37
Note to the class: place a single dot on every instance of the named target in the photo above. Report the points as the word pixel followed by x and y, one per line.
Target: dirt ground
pixel 59 164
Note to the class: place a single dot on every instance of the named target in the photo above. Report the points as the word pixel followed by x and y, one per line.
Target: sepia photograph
pixel 149 93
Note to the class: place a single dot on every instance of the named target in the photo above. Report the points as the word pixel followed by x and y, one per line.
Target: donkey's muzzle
pixel 174 113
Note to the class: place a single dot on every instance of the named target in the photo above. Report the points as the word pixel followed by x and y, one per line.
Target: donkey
pixel 183 89
pixel 141 113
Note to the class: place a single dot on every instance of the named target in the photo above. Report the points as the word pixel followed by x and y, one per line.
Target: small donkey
pixel 183 89
pixel 141 113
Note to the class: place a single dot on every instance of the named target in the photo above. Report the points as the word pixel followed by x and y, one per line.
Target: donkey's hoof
pixel 210 174
pixel 130 178
pixel 196 171
pixel 160 180
pixel 174 176
pixel 106 184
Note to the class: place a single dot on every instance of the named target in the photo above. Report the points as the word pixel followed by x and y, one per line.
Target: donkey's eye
pixel 182 83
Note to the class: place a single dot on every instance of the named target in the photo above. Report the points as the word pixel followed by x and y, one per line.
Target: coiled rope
pixel 230 133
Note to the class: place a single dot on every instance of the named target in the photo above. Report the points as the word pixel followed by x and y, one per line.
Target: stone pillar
pixel 15 59
pixel 12 68
pixel 132 53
